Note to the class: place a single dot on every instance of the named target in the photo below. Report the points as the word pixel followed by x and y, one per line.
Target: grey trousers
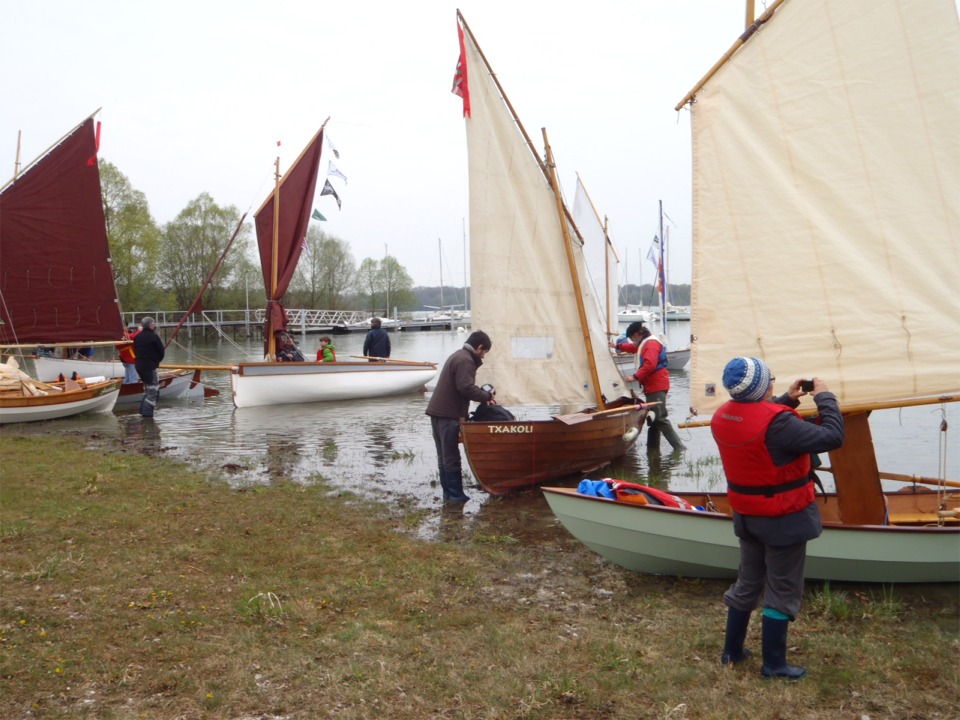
pixel 777 572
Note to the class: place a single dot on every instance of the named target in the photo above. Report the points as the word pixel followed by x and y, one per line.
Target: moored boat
pixel 23 399
pixel 529 294
pixel 922 546
pixel 281 224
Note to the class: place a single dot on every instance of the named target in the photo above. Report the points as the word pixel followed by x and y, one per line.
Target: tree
pixel 368 283
pixel 192 244
pixel 134 238
pixel 386 283
pixel 325 272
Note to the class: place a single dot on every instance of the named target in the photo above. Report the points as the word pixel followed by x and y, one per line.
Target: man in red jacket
pixel 654 378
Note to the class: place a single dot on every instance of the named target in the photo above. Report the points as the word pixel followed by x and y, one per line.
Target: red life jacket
pixel 755 485
pixel 126 351
pixel 645 495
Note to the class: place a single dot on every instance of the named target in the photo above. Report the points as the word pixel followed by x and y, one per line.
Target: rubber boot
pixel 775 651
pixel 737 623
pixel 653 439
pixel 455 492
pixel 670 433
pixel 443 483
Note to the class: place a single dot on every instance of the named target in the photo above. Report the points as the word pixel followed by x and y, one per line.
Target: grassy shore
pixel 133 587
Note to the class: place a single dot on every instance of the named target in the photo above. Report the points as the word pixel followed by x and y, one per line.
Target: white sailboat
pixel 281 224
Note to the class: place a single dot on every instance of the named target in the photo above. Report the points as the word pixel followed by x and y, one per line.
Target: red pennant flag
pixel 460 86
pixel 92 160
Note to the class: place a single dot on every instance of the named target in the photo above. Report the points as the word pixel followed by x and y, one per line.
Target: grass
pixel 134 587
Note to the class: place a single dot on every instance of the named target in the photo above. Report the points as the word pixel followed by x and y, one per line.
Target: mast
pixel 272 340
pixel 440 254
pixel 466 278
pixel 662 277
pixel 574 278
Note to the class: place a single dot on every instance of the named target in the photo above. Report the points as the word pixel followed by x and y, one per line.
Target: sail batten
pixel 826 221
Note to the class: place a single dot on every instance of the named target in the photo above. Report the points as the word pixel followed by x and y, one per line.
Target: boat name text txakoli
pixel 511 428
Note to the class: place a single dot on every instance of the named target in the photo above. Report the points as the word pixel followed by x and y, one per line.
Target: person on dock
pixel 127 355
pixel 654 379
pixel 450 403
pixel 377 342
pixel 149 351
pixel 766 447
pixel 327 352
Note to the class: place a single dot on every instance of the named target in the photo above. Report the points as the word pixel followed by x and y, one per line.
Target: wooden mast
pixel 516 118
pixel 574 277
pixel 275 252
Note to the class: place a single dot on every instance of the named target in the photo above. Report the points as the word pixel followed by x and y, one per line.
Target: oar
pixel 391 360
pixel 579 417
pixel 900 477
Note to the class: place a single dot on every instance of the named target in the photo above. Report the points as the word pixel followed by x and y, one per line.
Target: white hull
pixel 98 398
pixel 290 383
pixel 667 541
pixel 174 385
pixel 49 368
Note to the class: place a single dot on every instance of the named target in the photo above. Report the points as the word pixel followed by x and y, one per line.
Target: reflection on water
pixel 383 448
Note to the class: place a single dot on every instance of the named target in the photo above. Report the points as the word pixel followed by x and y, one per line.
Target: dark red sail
pixel 56 278
pixel 297 189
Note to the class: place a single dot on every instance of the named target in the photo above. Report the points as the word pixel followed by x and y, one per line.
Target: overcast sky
pixel 195 96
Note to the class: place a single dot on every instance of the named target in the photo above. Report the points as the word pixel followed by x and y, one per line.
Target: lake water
pixel 383 447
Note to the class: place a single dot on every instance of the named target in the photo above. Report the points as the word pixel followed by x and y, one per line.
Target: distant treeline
pixel 629 295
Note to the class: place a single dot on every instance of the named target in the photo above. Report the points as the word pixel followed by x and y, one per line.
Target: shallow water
pixel 383 447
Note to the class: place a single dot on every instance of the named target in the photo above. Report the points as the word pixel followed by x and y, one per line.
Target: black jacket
pixel 149 349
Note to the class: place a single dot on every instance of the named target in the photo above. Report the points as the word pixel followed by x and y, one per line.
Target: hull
pixel 48 368
pixel 666 541
pixel 506 456
pixel 98 397
pixel 290 383
pixel 177 384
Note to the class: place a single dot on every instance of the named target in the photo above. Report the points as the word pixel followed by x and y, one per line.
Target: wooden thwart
pixel 579 417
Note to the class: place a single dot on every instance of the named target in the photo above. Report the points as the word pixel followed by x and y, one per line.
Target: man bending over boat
pixel 456 387
pixel 765 447
pixel 654 379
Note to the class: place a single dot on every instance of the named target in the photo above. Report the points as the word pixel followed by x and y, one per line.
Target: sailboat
pixel 281 224
pixel 677 358
pixel 819 139
pixel 549 342
pixel 57 284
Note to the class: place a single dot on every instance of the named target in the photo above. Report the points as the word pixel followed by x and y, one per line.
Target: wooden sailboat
pixel 281 224
pixel 819 139
pixel 549 341
pixel 57 283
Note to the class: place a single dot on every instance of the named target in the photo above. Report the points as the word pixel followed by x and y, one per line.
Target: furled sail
pixel 296 189
pixel 825 195
pixel 56 277
pixel 523 292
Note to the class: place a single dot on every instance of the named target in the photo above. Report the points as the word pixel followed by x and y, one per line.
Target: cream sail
pixel 826 202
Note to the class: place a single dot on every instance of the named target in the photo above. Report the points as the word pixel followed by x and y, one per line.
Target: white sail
pixel 826 202
pixel 601 258
pixel 523 293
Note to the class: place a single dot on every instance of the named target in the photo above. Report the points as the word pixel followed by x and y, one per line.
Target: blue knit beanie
pixel 747 379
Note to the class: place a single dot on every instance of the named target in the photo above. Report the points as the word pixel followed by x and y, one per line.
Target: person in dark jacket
pixel 377 342
pixel 766 448
pixel 450 403
pixel 149 351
